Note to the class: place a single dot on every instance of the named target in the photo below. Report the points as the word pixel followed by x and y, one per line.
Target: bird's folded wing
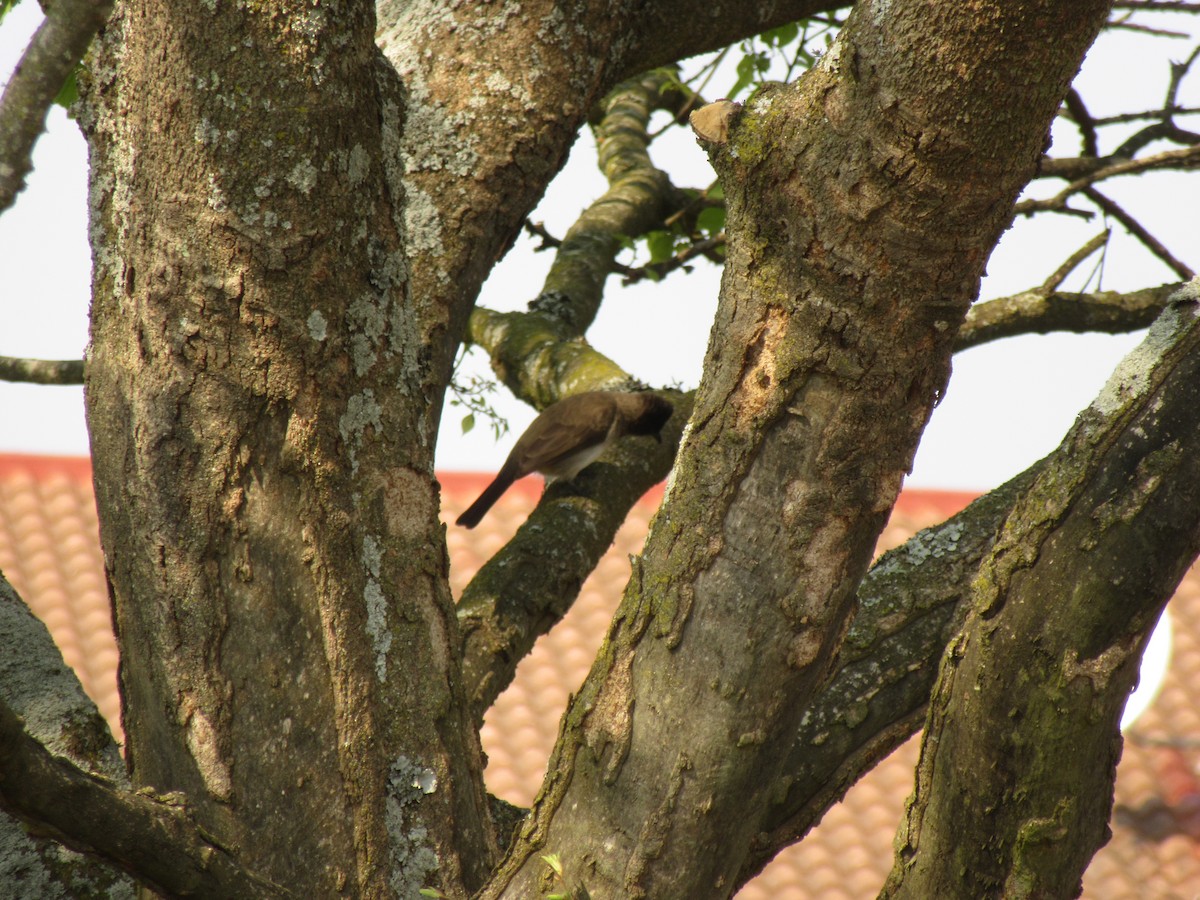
pixel 572 430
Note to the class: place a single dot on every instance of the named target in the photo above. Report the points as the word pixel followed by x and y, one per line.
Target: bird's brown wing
pixel 572 425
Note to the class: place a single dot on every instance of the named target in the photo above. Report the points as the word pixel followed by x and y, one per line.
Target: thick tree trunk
pixel 263 453
pixel 863 202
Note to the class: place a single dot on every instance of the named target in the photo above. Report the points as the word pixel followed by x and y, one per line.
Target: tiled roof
pixel 50 552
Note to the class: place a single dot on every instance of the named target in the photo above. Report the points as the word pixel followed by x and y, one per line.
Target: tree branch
pixel 1135 228
pixel 57 45
pixel 1184 159
pixel 531 582
pixel 1040 312
pixel 1158 5
pixel 151 838
pixel 41 371
pixel 909 605
pixel 729 625
pixel 658 270
pixel 1022 738
pixel 1072 262
pixel 696 26
pixel 60 773
pixel 1083 121
pixel 540 354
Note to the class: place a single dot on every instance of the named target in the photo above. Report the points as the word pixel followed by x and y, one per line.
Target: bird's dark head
pixel 652 415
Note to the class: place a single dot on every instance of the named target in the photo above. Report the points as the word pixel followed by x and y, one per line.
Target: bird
pixel 569 435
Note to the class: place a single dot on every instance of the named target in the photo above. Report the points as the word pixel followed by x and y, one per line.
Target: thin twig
pixel 1165 128
pixel 1148 114
pixel 1073 261
pixel 1145 29
pixel 41 371
pixel 1158 6
pixel 1185 158
pixel 538 229
pixel 678 261
pixel 1083 121
pixel 1135 228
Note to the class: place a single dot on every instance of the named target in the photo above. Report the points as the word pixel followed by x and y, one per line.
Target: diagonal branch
pixel 57 45
pixel 1030 693
pixel 1134 227
pixel 531 582
pixel 909 605
pixel 541 357
pixel 539 354
pixel 152 838
pixel 60 774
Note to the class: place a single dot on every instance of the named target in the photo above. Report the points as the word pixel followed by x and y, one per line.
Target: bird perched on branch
pixel 569 435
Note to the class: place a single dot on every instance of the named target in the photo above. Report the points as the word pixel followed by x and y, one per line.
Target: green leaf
pixel 661 245
pixel 69 92
pixel 781 36
pixel 711 220
pixel 552 860
pixel 745 73
pixel 6 6
pixel 432 892
pixel 468 422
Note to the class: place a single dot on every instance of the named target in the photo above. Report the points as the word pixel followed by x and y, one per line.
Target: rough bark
pixel 37 686
pixel 289 233
pixel 262 440
pixel 923 121
pixel 277 307
pixel 1014 788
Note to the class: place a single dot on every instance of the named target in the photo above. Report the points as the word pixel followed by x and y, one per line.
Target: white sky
pixel 1008 404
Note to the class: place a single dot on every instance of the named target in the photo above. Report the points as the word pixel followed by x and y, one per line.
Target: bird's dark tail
pixel 477 510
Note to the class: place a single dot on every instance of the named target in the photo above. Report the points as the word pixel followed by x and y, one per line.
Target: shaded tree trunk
pixel 863 202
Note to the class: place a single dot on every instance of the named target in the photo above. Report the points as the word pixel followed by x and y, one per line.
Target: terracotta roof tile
pixel 50 553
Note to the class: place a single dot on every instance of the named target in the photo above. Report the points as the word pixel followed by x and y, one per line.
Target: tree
pixel 293 208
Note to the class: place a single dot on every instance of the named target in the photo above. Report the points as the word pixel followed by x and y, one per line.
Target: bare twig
pixel 1158 6
pixel 538 229
pixel 1144 29
pixel 1165 128
pixel 41 371
pixel 657 270
pixel 1083 121
pixel 1135 228
pixel 1178 71
pixel 1185 158
pixel 1072 262
pixel 1120 118
pixel 57 46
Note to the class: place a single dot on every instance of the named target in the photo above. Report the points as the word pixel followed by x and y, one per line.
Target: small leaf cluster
pixel 474 396
pixel 790 46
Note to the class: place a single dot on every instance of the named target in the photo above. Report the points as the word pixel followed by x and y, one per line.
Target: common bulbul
pixel 570 434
